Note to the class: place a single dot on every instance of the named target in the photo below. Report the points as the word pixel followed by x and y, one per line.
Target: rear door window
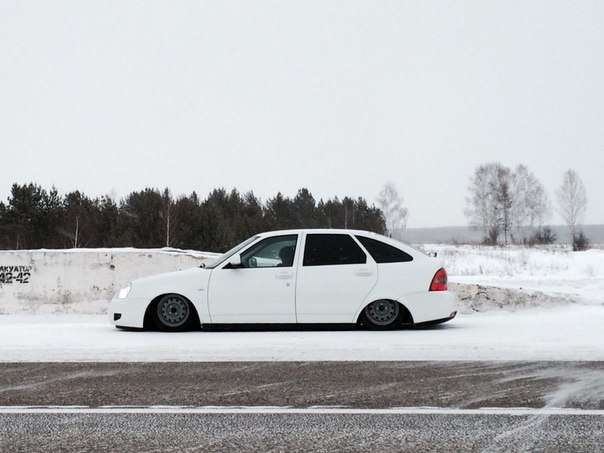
pixel 332 249
pixel 382 252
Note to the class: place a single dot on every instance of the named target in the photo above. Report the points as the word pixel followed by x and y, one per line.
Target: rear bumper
pixel 430 306
pixel 436 321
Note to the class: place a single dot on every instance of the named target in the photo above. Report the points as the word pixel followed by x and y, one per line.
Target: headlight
pixel 123 292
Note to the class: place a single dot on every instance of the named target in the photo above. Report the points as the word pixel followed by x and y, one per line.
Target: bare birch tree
pixel 483 204
pixel 391 205
pixel 531 205
pixel 502 201
pixel 572 203
pixel 168 215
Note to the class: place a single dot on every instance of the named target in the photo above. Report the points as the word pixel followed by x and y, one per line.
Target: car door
pixel 261 289
pixel 334 278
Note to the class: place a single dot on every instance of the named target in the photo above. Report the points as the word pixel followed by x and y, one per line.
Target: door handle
pixel 284 275
pixel 363 272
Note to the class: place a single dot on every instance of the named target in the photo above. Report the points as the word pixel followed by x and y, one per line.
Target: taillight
pixel 439 281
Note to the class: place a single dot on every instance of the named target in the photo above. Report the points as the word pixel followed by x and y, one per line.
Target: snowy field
pixel 555 271
pixel 515 304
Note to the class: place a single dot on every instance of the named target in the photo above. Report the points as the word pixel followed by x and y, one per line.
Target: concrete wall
pixel 79 280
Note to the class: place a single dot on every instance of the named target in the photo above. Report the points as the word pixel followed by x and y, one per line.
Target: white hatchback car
pixel 295 277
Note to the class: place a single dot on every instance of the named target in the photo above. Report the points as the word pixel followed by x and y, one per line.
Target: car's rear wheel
pixel 383 314
pixel 172 313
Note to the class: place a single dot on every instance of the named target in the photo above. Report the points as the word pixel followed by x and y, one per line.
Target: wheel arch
pixel 148 323
pixel 407 316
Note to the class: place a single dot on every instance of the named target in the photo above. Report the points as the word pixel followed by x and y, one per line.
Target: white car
pixel 295 277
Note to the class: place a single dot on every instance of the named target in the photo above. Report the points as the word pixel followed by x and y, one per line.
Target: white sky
pixel 336 96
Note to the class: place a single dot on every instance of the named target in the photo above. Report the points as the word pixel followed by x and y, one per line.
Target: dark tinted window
pixel 384 253
pixel 329 249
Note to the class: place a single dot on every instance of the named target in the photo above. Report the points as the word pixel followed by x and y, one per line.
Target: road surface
pixel 302 406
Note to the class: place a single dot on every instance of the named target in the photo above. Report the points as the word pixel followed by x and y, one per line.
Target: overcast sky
pixel 336 96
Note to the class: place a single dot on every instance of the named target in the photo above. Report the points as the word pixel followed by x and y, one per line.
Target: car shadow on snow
pixel 299 328
pixel 310 327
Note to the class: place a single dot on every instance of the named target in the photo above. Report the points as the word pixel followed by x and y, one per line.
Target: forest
pixel 34 217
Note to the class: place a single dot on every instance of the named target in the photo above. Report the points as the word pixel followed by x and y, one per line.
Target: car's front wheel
pixel 383 314
pixel 172 313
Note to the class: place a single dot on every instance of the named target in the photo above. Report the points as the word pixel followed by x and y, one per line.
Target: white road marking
pixel 288 410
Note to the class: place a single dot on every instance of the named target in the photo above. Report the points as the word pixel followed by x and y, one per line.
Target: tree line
pixel 507 205
pixel 34 217
pixel 512 206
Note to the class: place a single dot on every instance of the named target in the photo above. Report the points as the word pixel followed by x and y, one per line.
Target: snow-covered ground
pixel 562 333
pixel 515 304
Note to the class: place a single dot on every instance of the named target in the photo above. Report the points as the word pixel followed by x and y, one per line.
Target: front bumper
pixel 127 312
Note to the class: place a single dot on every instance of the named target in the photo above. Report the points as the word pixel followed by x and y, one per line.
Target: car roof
pixel 320 231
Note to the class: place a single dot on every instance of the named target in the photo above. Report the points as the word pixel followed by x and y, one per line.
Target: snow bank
pixel 473 298
pixel 79 280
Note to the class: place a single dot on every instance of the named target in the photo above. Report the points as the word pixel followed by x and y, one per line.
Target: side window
pixel 384 253
pixel 330 249
pixel 276 251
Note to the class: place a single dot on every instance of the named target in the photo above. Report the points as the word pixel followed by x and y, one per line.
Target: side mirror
pixel 235 261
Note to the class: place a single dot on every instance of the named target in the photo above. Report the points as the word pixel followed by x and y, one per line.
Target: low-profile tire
pixel 172 313
pixel 383 314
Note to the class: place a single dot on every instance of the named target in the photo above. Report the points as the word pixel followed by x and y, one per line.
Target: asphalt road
pixel 314 406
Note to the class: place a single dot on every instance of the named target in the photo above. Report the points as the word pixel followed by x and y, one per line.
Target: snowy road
pixel 441 384
pixel 572 332
pixel 301 433
pixel 302 406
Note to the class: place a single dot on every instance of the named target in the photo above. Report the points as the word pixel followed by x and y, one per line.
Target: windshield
pixel 225 256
